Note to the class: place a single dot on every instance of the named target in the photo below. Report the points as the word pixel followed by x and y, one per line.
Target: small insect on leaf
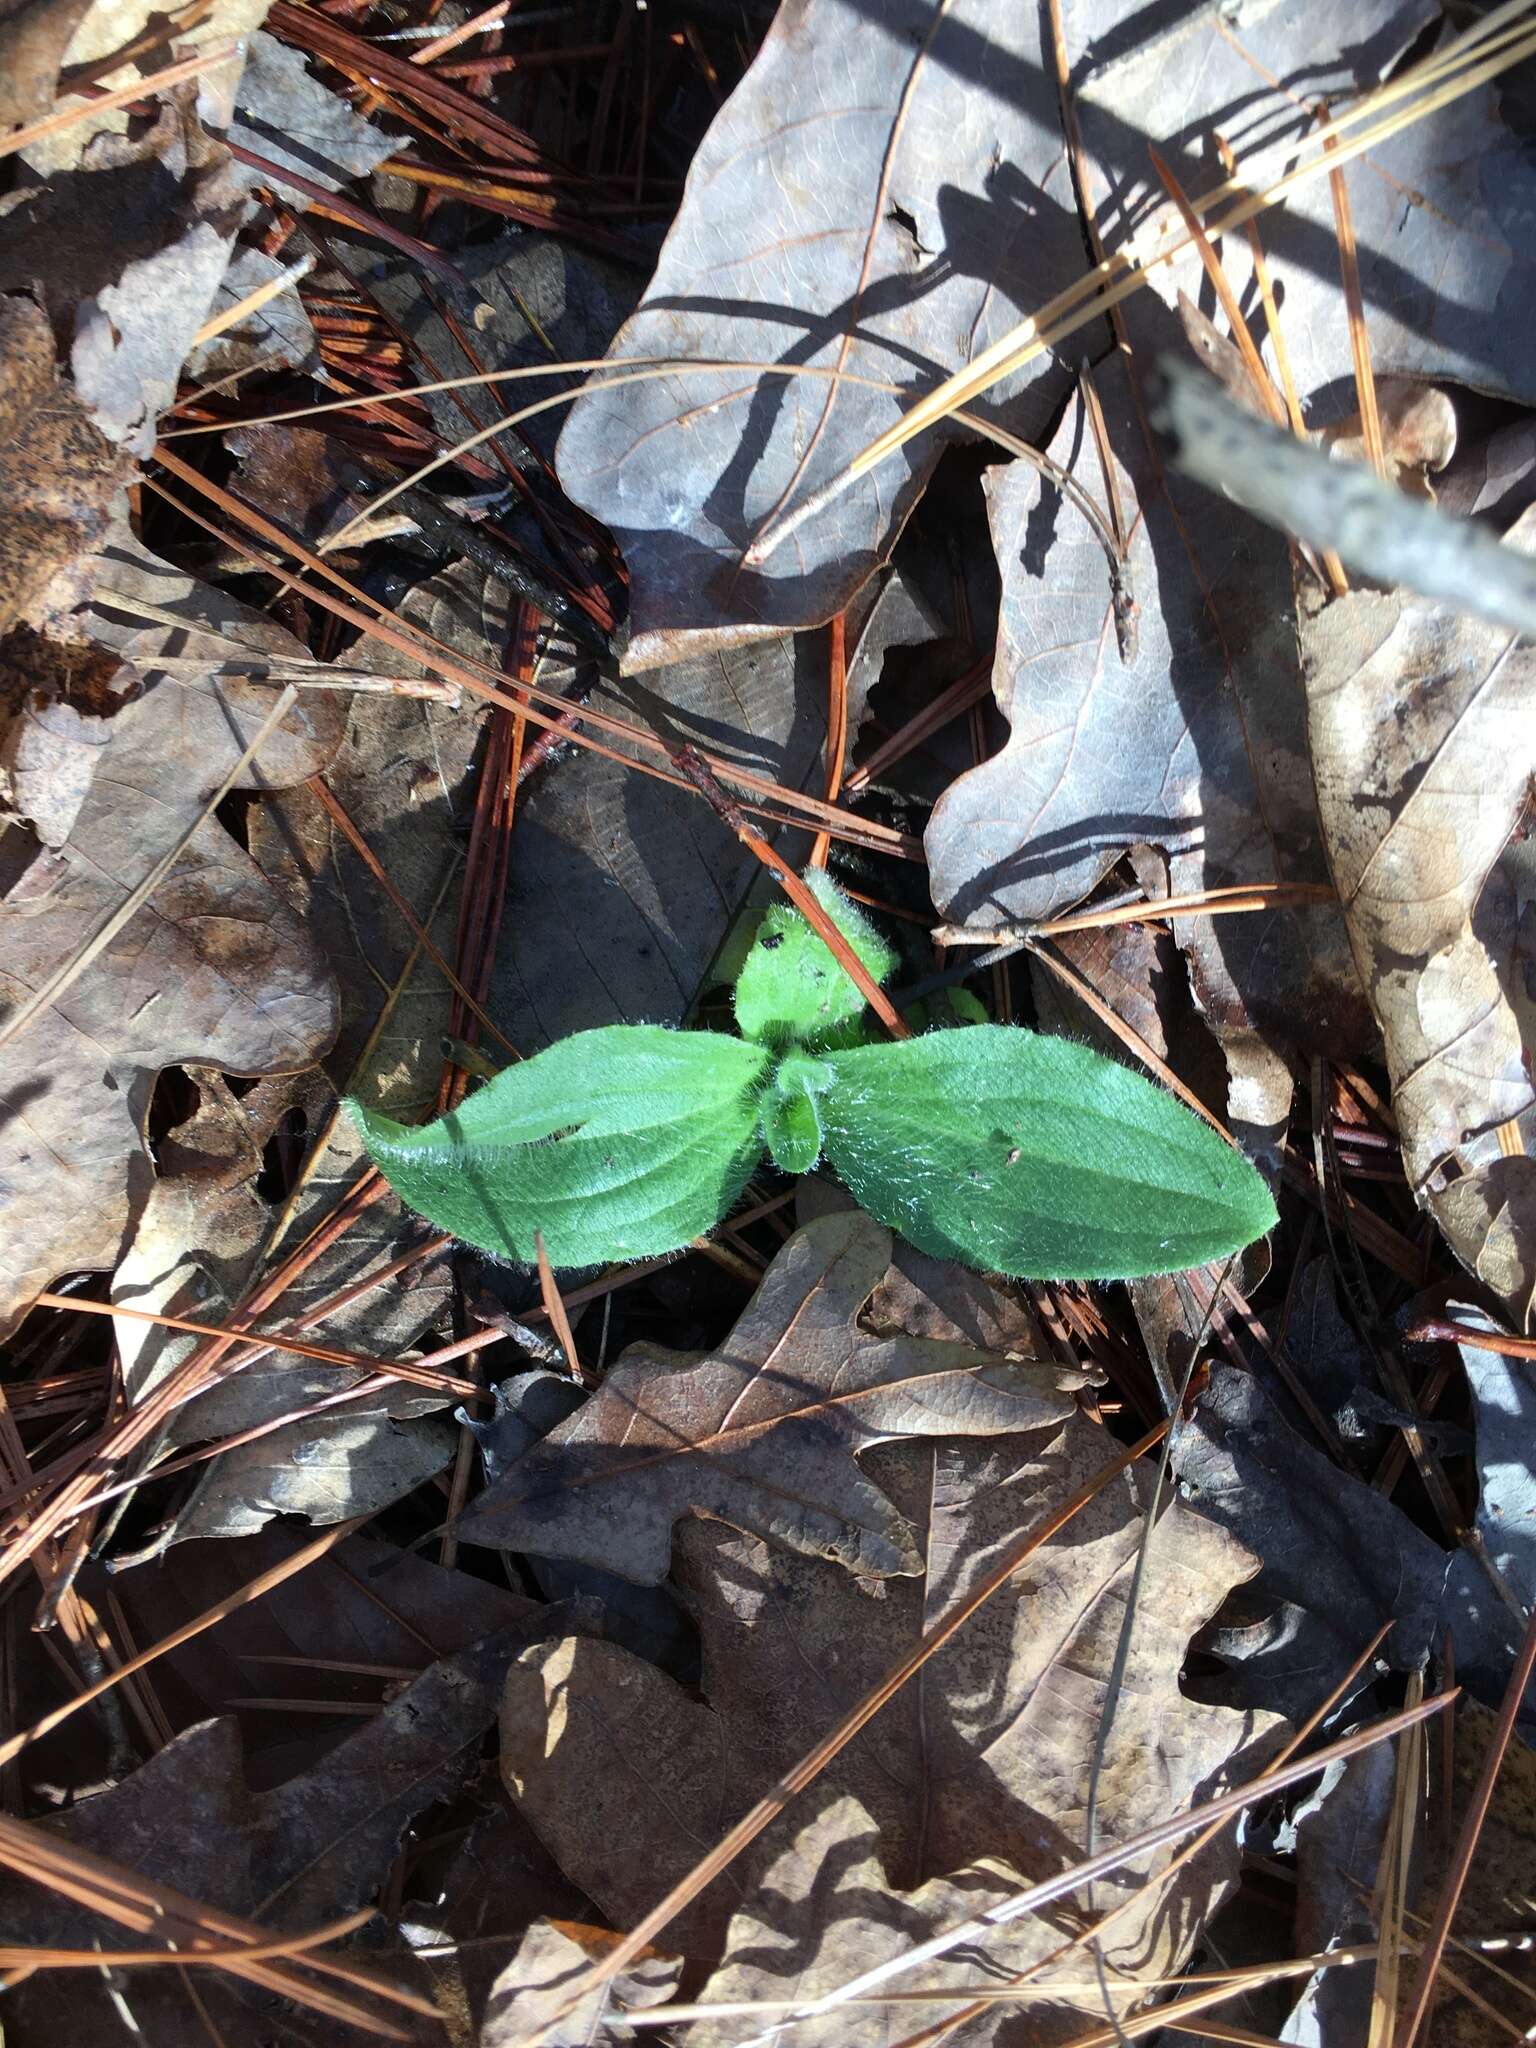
pixel 622 1143
pixel 1034 1156
pixel 791 989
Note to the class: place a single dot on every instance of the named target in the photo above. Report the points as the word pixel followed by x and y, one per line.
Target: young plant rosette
pixel 1013 1152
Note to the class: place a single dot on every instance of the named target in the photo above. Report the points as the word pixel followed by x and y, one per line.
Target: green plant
pixel 984 1143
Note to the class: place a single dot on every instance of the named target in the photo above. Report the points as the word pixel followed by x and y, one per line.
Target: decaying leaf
pixel 981 1768
pixel 1500 1887
pixel 34 34
pixel 1198 747
pixel 762 1433
pixel 883 196
pixel 57 701
pixel 284 115
pixel 58 474
pixel 1338 1557
pixel 1422 746
pixel 295 1856
pixel 532 1987
pixel 214 968
pixel 126 253
pixel 1439 210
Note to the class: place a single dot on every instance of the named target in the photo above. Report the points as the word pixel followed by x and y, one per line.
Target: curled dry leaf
pixel 1423 747
pixel 973 1776
pixel 58 474
pixel 884 195
pixel 57 703
pixel 1197 746
pixel 762 1433
pixel 214 968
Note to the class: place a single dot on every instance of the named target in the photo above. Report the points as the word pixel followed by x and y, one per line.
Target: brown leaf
pixel 532 1987
pixel 57 701
pixel 980 1767
pixel 882 197
pixel 762 1433
pixel 214 968
pixel 1198 747
pixel 34 35
pixel 58 475
pixel 1422 745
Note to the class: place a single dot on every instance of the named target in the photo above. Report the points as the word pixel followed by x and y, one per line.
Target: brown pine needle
pixel 1359 338
pixel 837 728
pixel 554 1308
pixel 393 1368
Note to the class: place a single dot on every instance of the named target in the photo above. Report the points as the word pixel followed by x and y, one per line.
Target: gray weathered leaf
pixel 1338 1558
pixel 214 968
pixel 1198 747
pixel 762 1433
pixel 533 1985
pixel 1441 211
pixel 1423 745
pixel 284 114
pixel 883 196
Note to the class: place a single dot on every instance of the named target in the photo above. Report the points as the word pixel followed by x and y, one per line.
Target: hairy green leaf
pixel 791 1120
pixel 1034 1156
pixel 621 1143
pixel 791 990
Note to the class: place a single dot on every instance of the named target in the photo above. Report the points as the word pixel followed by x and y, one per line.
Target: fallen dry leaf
pixel 979 1768
pixel 34 34
pixel 532 1987
pixel 1500 1887
pixel 286 116
pixel 1439 210
pixel 57 703
pixel 215 968
pixel 1422 746
pixel 58 474
pixel 126 254
pixel 1198 747
pixel 762 1433
pixel 295 1856
pixel 882 196
pixel 1338 1558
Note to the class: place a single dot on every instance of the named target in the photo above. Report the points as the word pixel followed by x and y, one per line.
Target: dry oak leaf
pixel 34 34
pixel 530 1991
pixel 884 195
pixel 58 475
pixel 1197 746
pixel 980 1767
pixel 215 969
pixel 763 1432
pixel 1423 748
pixel 294 1855
pixel 1441 210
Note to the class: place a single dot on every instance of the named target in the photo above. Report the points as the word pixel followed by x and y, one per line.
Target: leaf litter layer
pixel 808 1465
